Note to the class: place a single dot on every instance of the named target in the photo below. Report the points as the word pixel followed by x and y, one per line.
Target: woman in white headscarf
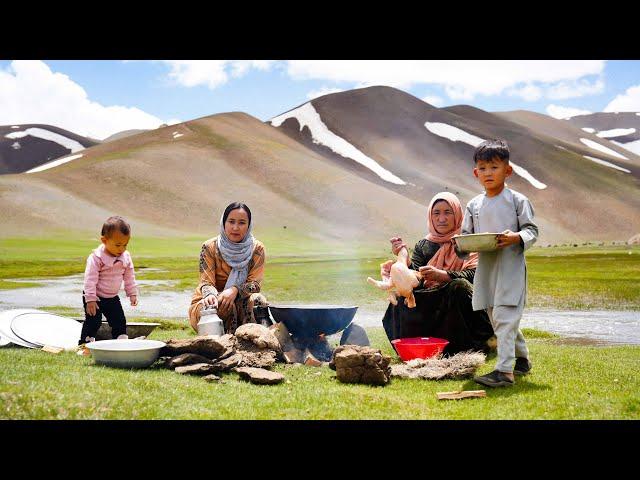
pixel 231 271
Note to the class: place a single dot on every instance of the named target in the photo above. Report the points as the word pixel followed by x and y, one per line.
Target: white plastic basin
pixel 128 353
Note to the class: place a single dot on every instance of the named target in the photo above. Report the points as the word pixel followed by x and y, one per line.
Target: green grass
pixel 584 277
pixel 567 382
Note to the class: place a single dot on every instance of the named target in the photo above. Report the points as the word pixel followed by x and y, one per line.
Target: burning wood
pixel 310 360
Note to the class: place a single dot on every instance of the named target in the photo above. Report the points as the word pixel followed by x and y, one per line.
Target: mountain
pixel 412 148
pixel 180 178
pixel 621 128
pixel 23 147
pixel 123 134
pixel 348 168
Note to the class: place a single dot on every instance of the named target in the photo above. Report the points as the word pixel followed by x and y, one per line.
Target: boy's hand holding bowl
pixel 507 238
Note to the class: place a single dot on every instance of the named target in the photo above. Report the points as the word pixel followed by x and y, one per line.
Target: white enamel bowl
pixel 128 353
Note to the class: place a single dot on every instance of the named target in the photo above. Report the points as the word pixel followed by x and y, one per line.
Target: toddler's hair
pixel 113 223
pixel 490 149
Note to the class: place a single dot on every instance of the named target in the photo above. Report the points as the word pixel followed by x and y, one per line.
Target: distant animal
pixel 401 282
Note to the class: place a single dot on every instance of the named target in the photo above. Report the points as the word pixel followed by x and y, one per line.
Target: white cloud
pixel 322 91
pixel 212 73
pixel 433 100
pixel 528 92
pixel 31 93
pixel 558 111
pixel 575 88
pixel 629 101
pixel 462 79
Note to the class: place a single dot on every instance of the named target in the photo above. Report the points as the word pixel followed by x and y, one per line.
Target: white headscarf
pixel 236 254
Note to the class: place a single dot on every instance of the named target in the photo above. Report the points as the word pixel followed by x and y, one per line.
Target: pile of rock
pixel 251 352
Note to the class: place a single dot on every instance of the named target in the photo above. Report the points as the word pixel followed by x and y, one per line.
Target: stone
pixel 354 335
pixel 196 369
pixel 257 359
pixel 259 376
pixel 211 378
pixel 210 346
pixel 228 363
pixel 361 364
pixel 186 359
pixel 259 335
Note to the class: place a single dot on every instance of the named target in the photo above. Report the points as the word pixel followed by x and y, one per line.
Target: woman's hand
pixel 434 274
pixel 396 244
pixel 133 299
pixel 210 300
pixel 507 238
pixel 227 297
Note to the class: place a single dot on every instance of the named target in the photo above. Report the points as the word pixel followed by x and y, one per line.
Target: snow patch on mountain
pixel 48 135
pixel 458 135
pixel 602 148
pixel 55 163
pixel 607 164
pixel 307 116
pixel 633 147
pixel 616 132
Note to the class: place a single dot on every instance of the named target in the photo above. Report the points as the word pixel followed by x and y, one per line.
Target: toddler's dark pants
pixel 112 309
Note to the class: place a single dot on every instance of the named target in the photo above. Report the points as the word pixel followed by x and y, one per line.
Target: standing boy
pixel 501 277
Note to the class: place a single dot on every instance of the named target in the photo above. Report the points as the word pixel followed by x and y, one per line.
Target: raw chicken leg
pixel 402 280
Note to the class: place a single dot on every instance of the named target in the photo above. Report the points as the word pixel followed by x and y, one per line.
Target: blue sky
pixel 98 98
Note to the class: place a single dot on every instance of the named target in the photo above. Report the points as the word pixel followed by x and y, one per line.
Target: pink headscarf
pixel 446 258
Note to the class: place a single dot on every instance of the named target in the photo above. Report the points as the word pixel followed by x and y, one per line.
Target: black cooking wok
pixel 308 321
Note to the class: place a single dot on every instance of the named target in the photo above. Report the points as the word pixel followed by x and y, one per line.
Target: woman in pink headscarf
pixel 443 297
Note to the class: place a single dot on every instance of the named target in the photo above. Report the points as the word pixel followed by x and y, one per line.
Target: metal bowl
pixel 134 329
pixel 125 353
pixel 477 242
pixel 308 321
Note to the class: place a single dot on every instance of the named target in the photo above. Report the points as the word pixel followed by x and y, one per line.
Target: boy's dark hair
pixel 490 149
pixel 115 223
pixel 234 206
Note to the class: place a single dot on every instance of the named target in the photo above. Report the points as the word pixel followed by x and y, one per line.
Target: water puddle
pixel 591 327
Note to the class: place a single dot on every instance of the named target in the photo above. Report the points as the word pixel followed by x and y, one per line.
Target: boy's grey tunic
pixel 501 276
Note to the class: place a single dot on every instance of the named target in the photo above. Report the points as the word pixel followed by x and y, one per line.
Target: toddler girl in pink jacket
pixel 107 267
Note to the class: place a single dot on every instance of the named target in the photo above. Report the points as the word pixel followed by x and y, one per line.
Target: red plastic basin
pixel 419 347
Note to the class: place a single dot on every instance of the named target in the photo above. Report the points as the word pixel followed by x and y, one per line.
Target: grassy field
pixel 584 277
pixel 567 382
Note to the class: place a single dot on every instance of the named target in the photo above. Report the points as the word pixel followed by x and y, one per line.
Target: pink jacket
pixel 104 274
